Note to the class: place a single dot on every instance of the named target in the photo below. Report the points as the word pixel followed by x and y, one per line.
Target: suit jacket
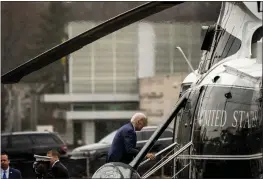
pixel 123 148
pixel 14 174
pixel 59 171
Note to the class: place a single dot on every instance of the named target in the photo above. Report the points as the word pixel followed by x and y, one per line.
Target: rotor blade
pixel 85 38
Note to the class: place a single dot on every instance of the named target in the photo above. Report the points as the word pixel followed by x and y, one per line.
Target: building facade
pixel 158 96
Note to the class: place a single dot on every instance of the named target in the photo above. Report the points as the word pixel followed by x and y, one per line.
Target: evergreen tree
pixel 53 25
pixel 49 79
pixel 52 33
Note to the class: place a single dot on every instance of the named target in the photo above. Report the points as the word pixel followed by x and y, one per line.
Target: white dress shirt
pixel 6 173
pixel 133 128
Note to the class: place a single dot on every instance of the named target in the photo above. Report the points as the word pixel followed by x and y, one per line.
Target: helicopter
pixel 218 133
pixel 224 68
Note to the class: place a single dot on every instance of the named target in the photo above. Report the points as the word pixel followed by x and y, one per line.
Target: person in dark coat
pixel 58 170
pixel 123 148
pixel 6 171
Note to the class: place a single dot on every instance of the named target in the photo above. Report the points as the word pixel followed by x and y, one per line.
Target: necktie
pixel 4 176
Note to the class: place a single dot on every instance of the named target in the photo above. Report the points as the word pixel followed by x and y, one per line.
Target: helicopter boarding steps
pixel 192 157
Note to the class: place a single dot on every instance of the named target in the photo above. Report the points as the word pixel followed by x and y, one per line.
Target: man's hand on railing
pixel 150 156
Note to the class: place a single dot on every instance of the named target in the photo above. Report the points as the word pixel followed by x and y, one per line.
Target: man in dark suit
pixel 123 148
pixel 6 171
pixel 58 170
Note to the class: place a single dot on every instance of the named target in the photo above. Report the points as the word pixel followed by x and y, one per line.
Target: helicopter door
pixel 183 137
pixel 183 133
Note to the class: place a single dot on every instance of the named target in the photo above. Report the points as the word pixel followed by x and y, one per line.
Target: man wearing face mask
pixel 123 148
pixel 58 170
pixel 6 171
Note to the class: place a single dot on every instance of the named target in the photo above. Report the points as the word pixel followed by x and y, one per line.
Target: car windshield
pixel 108 139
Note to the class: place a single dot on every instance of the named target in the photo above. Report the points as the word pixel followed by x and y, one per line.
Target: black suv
pixel 97 153
pixel 23 145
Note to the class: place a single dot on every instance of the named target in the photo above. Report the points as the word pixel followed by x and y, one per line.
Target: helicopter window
pixel 228 125
pixel 256 43
pixel 184 87
pixel 258 34
pixel 216 31
pixel 208 39
pixel 224 45
pixel 227 46
pixel 204 64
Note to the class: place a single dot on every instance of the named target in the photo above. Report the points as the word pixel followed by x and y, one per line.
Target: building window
pixel 124 106
pixel 82 107
pixel 108 65
pixel 168 59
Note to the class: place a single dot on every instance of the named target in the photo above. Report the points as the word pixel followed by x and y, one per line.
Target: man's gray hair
pixel 138 114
